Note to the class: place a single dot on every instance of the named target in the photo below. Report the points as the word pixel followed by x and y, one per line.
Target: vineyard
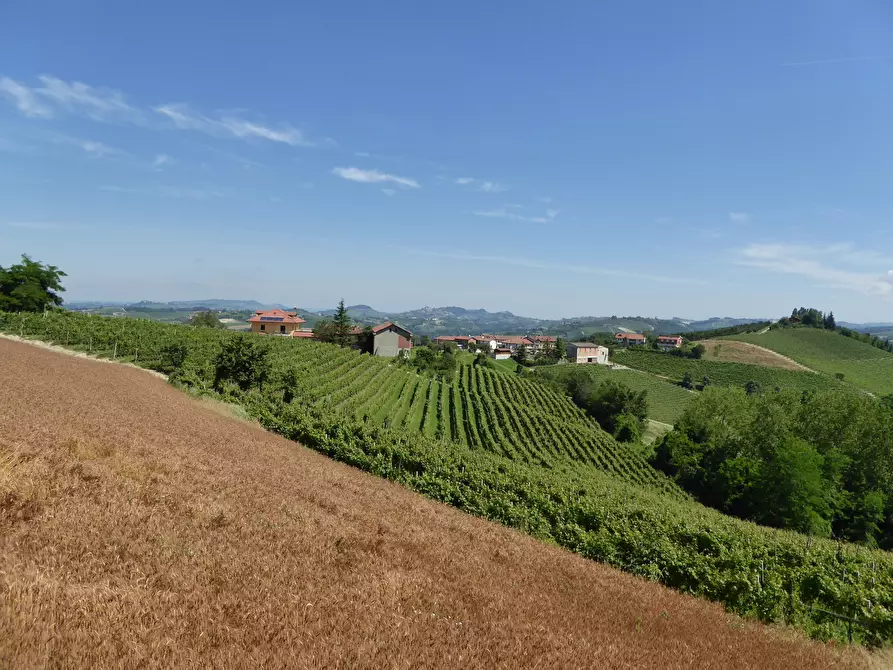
pixel 862 365
pixel 477 408
pixel 673 368
pixel 666 401
pixel 506 449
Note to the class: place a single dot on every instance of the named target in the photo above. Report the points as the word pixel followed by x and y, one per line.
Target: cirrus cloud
pixel 373 177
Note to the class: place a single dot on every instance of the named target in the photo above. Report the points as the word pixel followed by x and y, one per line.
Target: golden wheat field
pixel 142 528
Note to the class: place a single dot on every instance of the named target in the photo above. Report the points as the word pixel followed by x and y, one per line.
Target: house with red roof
pixel 275 322
pixel 667 342
pixel 630 339
pixel 513 342
pixel 390 340
pixel 461 341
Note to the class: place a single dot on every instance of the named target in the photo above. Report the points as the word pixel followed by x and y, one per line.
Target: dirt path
pixel 141 528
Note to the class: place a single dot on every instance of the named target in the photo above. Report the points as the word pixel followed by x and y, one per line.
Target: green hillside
pixel 476 407
pixel 673 368
pixel 862 365
pixel 534 478
pixel 666 401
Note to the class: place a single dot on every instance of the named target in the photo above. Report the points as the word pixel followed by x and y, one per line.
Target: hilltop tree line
pixel 816 462
pixel 814 318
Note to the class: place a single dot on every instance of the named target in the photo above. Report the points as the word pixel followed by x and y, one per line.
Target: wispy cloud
pixel 95 103
pixel 24 98
pixel 829 61
pixel 105 104
pixel 544 265
pixel 834 265
pixel 492 187
pixel 91 147
pixel 739 217
pixel 161 160
pixel 484 186
pixel 167 192
pixel 504 213
pixel 373 177
pixel 185 119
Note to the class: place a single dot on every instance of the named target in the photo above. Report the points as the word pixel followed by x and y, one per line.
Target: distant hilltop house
pixel 630 339
pixel 390 340
pixel 667 342
pixel 275 322
pixel 461 341
pixel 586 352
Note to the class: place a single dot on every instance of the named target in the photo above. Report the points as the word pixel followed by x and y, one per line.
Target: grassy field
pixel 862 365
pixel 666 401
pixel 673 368
pixel 175 536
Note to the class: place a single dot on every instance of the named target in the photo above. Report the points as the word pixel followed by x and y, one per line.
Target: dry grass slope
pixel 141 528
pixel 731 351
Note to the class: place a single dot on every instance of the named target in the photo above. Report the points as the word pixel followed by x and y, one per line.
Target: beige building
pixel 390 340
pixel 586 352
pixel 275 322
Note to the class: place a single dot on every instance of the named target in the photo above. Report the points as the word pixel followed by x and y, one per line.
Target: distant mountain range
pixel 454 320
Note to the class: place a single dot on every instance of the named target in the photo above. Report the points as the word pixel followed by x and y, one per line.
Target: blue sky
pixel 553 159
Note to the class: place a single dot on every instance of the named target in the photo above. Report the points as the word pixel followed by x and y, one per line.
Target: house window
pixel 281 329
pixel 263 326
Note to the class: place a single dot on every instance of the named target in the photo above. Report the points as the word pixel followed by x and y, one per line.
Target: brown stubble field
pixel 140 528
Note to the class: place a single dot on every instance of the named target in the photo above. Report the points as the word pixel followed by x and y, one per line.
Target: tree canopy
pixel 30 286
pixel 819 463
pixel 206 319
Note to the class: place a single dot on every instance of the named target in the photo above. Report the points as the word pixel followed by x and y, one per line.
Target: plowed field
pixel 139 527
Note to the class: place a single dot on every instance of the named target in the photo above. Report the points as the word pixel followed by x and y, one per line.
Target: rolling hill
pixel 571 485
pixel 831 353
pixel 176 536
pixel 674 368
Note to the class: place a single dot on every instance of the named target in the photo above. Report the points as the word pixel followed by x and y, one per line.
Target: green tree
pixel 324 331
pixel 243 360
pixel 206 319
pixel 687 382
pixel 560 350
pixel 342 326
pixel 698 351
pixel 627 428
pixel 611 399
pixel 752 388
pixel 791 489
pixel 830 323
pixel 30 286
pixel 520 356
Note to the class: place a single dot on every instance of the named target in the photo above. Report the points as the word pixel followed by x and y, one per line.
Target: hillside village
pixel 390 340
